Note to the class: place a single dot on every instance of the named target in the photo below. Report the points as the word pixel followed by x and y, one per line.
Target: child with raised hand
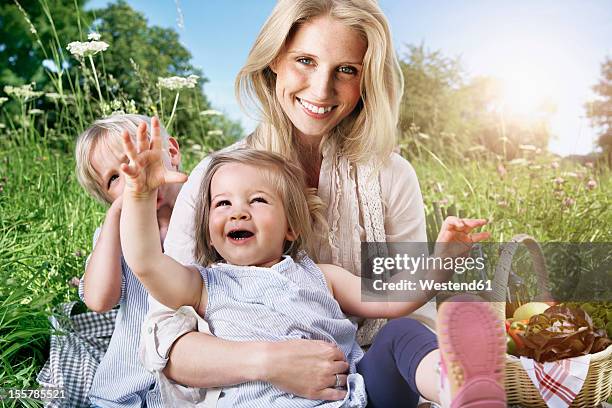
pixel 254 281
pixel 120 379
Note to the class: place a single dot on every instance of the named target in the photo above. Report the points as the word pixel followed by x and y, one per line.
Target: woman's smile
pixel 315 110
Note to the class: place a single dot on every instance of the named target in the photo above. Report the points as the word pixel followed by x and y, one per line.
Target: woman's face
pixel 318 75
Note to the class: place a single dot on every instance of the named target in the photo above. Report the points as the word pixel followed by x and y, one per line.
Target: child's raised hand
pixel 146 170
pixel 455 237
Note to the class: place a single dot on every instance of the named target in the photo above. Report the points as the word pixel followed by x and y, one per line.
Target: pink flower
pixel 588 164
pixel 568 202
pixel 554 165
pixel 591 184
pixel 74 282
pixel 559 180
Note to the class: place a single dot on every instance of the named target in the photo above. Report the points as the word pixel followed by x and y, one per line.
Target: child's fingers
pixel 128 170
pixel 175 177
pixel 141 137
pixel 452 222
pixel 475 223
pixel 480 236
pixel 128 146
pixel 155 134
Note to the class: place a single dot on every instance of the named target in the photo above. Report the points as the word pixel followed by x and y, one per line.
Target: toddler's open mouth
pixel 240 235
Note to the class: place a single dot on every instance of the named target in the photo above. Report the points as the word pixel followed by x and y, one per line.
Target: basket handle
pixel 502 271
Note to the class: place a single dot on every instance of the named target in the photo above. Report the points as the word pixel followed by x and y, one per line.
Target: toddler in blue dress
pixel 254 280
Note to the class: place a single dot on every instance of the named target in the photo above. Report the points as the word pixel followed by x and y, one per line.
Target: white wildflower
pixel 131 106
pixel 210 112
pixel 86 49
pixel 196 147
pixel 216 132
pixel 477 148
pixel 423 136
pixel 27 19
pixel 54 96
pixel 176 83
pixel 518 162
pixel 36 111
pixel 570 174
pixel 527 147
pixel 93 36
pixel 2 125
pixel 22 92
pixel 3 99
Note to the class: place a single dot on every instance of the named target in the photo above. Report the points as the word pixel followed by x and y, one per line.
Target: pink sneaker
pixel 472 353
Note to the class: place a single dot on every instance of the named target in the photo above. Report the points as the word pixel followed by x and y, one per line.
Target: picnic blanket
pixel 77 345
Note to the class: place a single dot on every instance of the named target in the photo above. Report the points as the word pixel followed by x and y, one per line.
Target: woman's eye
pixel 259 200
pixel 305 61
pixel 347 70
pixel 222 203
pixel 112 179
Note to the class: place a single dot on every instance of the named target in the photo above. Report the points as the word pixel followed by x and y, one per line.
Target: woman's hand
pixel 455 237
pixel 146 170
pixel 306 368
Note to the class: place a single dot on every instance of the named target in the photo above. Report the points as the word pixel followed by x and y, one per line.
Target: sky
pixel 539 48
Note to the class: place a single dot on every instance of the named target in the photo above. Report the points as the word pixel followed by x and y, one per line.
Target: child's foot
pixel 472 350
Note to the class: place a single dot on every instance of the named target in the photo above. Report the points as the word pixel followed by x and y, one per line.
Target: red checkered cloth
pixel 559 382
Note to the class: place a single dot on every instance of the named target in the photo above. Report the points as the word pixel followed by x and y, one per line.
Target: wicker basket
pixel 519 388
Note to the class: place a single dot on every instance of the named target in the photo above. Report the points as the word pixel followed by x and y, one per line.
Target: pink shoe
pixel 472 350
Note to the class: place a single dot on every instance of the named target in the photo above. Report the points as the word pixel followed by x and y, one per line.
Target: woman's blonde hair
pixel 107 130
pixel 303 209
pixel 370 130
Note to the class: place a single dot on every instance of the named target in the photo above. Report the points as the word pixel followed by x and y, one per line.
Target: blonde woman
pixel 325 79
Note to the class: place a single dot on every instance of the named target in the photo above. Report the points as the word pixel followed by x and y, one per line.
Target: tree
pixel 27 37
pixel 599 111
pixel 430 82
pixel 451 114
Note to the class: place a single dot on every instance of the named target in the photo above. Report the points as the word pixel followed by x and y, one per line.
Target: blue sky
pixel 538 47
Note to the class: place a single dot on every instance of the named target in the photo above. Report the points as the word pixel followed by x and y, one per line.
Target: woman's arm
pixel 102 279
pixel 302 367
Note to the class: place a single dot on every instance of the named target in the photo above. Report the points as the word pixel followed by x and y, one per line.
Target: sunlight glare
pixel 525 90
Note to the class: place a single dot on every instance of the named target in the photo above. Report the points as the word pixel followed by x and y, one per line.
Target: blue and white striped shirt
pixel 121 380
pixel 287 301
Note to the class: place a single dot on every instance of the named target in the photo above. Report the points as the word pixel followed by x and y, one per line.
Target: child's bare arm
pixel 171 283
pixel 102 279
pixel 346 287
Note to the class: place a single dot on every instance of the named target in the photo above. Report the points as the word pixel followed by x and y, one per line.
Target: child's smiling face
pixel 247 223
